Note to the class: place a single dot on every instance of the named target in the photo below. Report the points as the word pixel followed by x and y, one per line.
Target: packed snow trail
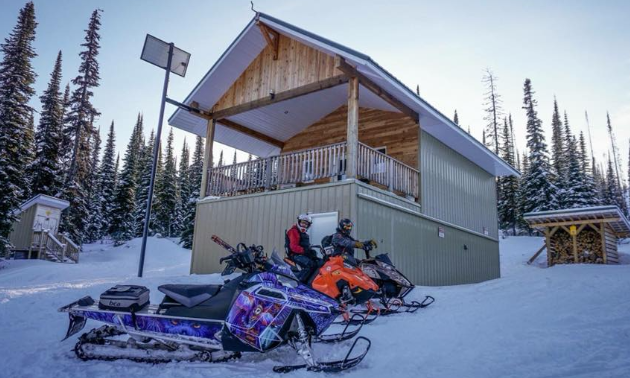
pixel 566 321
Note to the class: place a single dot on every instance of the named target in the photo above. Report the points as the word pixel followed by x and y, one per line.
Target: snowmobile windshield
pixel 383 258
pixel 280 267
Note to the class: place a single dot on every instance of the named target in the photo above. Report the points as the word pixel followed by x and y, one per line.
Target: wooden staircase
pixel 54 248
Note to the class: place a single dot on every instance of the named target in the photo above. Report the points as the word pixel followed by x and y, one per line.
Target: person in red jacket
pixel 298 247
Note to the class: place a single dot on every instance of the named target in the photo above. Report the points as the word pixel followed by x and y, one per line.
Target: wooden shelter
pixel 35 233
pixel 587 235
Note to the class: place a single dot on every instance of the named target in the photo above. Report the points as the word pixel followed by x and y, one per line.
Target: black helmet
pixel 345 226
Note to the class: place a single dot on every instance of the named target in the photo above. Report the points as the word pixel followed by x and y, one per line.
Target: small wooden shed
pixel 586 235
pixel 38 214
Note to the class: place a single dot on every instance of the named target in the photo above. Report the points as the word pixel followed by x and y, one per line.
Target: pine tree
pixel 195 172
pixel 123 221
pixel 508 205
pixel 80 121
pixel 16 89
pixel 66 132
pixel 558 150
pixel 142 194
pixel 220 163
pixel 493 111
pixel 456 118
pixel 108 173
pixel 590 194
pixel 47 174
pixel 167 194
pixel 183 189
pixel 95 223
pixel 28 145
pixel 538 189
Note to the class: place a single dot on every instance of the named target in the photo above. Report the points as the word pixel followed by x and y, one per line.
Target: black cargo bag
pixel 124 298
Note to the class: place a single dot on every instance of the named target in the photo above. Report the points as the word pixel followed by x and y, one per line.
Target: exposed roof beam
pixel 271 36
pixel 253 133
pixel 349 70
pixel 282 96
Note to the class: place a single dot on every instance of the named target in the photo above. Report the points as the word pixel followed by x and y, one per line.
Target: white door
pixel 324 224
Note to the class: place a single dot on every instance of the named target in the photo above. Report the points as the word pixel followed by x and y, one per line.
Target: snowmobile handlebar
pixel 242 257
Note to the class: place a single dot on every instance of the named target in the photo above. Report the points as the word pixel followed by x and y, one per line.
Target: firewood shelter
pixel 585 235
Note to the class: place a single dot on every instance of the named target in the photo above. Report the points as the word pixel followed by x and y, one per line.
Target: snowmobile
pixel 394 286
pixel 340 278
pixel 264 308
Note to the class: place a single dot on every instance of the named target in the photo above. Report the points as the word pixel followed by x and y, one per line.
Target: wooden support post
pixel 602 227
pixel 575 253
pixel 207 157
pixel 352 134
pixel 548 245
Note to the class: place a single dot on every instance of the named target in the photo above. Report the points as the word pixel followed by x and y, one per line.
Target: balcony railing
pixel 307 166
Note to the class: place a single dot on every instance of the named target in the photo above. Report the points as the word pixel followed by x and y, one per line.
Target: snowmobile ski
pixel 345 334
pixel 331 366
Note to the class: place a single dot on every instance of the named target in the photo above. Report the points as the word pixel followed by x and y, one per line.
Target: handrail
pixel 387 171
pixel 308 165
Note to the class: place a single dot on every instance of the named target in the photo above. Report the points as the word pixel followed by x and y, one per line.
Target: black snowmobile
pixel 256 312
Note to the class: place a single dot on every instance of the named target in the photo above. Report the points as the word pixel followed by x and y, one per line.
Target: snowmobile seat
pixel 190 295
pixel 216 307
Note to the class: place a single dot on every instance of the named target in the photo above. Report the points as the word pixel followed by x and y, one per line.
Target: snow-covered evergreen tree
pixel 456 118
pixel 81 115
pixel 195 171
pixel 66 132
pixel 558 150
pixel 47 174
pixel 183 189
pixel 107 177
pixel 167 194
pixel 508 204
pixel 28 145
pixel 95 223
pixel 613 194
pixel 16 89
pixel 538 189
pixel 144 180
pixel 589 188
pixel 123 221
pixel 493 110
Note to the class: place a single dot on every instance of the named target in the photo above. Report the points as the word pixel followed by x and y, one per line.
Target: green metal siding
pixel 22 232
pixel 261 218
pixel 454 189
pixel 413 243
pixel 409 236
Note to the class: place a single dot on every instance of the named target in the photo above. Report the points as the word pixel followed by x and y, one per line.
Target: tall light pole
pixel 166 56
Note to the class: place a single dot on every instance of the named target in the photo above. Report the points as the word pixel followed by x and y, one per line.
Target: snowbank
pixel 565 321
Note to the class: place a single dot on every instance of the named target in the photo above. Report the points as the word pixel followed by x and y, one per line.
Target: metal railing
pixel 309 165
pixel 387 171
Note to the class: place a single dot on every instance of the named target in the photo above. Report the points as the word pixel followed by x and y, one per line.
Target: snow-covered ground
pixel 566 321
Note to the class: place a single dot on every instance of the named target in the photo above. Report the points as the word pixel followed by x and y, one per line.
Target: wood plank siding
pixel 297 65
pixel 377 128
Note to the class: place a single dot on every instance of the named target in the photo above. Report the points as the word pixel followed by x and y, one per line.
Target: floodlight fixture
pixel 172 59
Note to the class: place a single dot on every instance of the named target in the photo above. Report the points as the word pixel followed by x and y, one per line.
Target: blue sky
pixel 578 51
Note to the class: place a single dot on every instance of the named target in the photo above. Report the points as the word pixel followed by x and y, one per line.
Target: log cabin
pixel 336 135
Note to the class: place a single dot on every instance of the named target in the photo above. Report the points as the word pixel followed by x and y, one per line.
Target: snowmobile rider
pixel 298 246
pixel 344 244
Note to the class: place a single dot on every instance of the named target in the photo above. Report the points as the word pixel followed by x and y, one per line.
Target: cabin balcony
pixel 313 166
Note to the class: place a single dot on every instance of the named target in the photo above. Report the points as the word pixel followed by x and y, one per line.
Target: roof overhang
pixel 42 199
pixel 251 42
pixel 596 214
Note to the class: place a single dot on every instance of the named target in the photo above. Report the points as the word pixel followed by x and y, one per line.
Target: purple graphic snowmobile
pixel 264 308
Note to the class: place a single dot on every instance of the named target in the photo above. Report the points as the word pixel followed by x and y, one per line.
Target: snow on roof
pixel 250 42
pixel 42 199
pixel 610 214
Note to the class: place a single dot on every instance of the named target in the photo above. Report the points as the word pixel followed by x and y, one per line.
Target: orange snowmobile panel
pixel 334 270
